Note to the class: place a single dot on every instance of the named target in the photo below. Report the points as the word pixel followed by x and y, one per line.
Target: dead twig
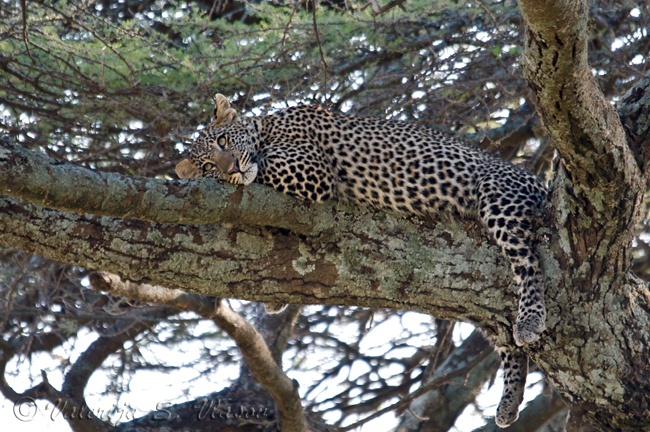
pixel 496 25
pixel 23 6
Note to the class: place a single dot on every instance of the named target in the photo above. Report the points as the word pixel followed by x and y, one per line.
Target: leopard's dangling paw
pixel 515 371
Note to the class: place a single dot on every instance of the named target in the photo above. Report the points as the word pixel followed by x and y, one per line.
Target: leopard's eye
pixel 222 141
pixel 208 166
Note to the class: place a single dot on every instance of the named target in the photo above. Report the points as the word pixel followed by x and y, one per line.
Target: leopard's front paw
pixel 249 176
pixel 528 327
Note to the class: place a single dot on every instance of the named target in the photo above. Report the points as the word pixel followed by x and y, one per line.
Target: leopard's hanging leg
pixel 508 213
pixel 515 370
pixel 508 209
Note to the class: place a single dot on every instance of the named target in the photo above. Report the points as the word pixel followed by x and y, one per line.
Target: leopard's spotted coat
pixel 316 155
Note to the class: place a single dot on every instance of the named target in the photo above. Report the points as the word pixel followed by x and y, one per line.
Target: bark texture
pixel 597 198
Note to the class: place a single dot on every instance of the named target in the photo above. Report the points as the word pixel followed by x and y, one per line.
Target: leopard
pixel 315 155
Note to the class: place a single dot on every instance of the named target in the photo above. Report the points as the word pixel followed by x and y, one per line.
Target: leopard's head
pixel 223 150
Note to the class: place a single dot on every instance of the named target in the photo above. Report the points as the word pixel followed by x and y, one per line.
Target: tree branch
pixel 250 342
pixel 463 372
pixel 374 260
pixel 78 415
pixel 92 358
pixel 36 178
pixel 598 202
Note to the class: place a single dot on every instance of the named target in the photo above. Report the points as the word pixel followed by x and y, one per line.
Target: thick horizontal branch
pixel 352 256
pixel 375 260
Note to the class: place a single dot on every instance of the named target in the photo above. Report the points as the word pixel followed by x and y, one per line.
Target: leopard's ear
pixel 186 169
pixel 223 113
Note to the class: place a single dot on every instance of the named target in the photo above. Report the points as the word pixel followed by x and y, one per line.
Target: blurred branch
pixel 510 137
pixel 441 406
pixel 70 400
pixel 387 7
pixel 320 48
pixel 92 358
pixel 250 342
pixel 463 372
pixel 442 348
pixel 634 110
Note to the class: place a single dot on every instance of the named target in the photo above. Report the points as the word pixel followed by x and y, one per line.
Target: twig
pixel 422 419
pixel 320 48
pixel 286 28
pixel 388 7
pixel 216 5
pixel 422 390
pixel 13 286
pixel 109 46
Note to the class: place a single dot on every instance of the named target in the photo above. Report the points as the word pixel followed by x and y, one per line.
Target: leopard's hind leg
pixel 515 370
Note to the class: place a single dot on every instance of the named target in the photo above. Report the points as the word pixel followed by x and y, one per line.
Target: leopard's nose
pixel 234 169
